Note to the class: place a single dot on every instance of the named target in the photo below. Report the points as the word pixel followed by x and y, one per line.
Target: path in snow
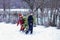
pixel 11 32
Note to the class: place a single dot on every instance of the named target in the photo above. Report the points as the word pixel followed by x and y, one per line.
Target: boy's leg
pixel 26 32
pixel 21 27
pixel 31 31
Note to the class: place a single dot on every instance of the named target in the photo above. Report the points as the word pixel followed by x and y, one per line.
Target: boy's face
pixel 21 16
pixel 31 14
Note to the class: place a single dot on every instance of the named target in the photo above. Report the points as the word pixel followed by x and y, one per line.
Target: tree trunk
pixel 51 14
pixel 54 20
pixel 59 22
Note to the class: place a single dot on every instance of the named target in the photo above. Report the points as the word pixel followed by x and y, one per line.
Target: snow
pixel 1 9
pixel 11 32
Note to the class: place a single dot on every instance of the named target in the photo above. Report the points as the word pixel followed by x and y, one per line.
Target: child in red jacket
pixel 21 22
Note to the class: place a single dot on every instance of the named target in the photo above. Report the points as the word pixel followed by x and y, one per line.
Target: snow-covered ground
pixel 11 32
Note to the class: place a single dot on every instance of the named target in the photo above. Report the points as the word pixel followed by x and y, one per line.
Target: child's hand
pixel 17 24
pixel 30 23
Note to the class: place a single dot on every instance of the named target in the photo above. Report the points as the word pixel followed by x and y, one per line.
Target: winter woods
pixel 47 12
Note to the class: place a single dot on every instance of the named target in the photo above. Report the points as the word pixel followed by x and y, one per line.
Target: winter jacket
pixel 20 21
pixel 25 22
pixel 30 21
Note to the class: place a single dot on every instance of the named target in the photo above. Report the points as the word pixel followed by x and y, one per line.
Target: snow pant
pixel 22 28
pixel 30 30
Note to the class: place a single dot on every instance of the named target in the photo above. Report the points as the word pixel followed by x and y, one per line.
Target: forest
pixel 46 12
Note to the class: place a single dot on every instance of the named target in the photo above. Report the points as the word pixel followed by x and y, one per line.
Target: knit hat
pixel 19 14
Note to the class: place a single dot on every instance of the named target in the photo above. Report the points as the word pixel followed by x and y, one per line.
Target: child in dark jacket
pixel 30 24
